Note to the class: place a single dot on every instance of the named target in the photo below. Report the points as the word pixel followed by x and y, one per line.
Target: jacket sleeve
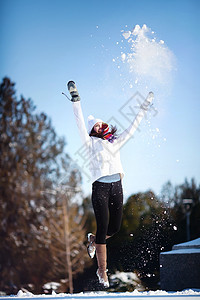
pixel 129 132
pixel 80 122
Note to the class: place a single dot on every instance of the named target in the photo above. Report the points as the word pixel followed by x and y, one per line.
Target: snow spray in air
pixel 146 64
pixel 147 59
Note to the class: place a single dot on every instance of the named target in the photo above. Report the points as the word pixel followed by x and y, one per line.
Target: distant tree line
pixel 43 228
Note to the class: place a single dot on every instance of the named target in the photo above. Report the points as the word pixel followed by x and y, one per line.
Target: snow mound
pixel 127 277
pixel 105 295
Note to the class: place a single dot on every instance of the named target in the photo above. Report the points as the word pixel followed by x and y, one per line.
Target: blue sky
pixel 46 43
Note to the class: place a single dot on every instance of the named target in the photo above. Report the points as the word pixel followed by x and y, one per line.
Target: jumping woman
pixel 103 145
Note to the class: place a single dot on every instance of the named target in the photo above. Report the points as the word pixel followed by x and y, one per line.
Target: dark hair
pixel 101 134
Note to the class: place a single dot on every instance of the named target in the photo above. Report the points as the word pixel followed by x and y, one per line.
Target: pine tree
pixel 32 163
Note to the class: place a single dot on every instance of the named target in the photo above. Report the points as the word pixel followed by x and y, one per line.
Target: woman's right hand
pixel 73 91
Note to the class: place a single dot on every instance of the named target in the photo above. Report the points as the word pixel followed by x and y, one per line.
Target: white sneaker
pixel 103 279
pixel 91 248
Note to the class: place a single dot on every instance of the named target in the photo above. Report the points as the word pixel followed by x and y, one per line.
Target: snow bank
pixel 194 244
pixel 182 251
pixel 127 277
pixel 195 294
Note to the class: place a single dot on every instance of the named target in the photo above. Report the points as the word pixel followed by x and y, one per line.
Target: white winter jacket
pixel 105 156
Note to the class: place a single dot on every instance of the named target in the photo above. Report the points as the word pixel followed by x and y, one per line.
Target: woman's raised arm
pixel 128 133
pixel 78 112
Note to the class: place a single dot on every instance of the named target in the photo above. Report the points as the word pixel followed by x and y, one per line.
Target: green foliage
pixel 138 212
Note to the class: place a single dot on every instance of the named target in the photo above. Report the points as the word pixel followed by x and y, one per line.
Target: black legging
pixel 107 200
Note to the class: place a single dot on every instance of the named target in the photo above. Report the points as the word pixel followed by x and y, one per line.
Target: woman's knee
pixel 100 239
pixel 113 230
pixel 101 234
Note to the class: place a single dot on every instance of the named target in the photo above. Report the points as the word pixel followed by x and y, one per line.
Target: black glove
pixel 73 91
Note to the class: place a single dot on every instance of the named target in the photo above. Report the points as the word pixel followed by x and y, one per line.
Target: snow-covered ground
pixel 158 295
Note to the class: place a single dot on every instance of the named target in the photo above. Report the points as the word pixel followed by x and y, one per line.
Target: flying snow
pixel 147 57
